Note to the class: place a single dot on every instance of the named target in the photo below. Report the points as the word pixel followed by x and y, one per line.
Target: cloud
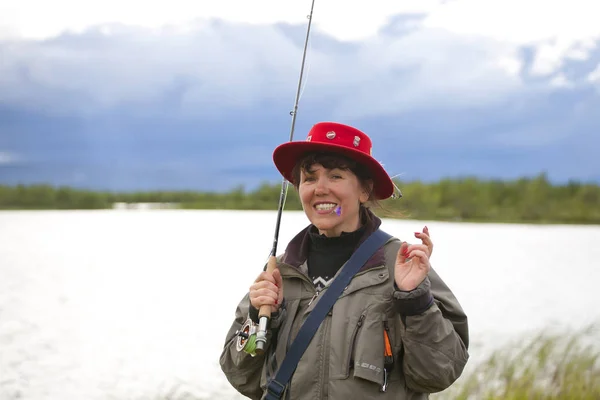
pixel 211 66
pixel 50 19
pixel 559 30
pixel 224 53
pixel 594 76
pixel 206 68
pixel 202 104
pixel 398 57
pixel 7 158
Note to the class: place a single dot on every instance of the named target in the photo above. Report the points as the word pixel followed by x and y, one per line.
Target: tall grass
pixel 548 366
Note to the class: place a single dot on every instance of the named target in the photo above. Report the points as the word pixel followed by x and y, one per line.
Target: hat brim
pixel 287 155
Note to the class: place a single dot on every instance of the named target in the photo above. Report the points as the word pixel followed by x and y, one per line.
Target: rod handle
pixel 265 311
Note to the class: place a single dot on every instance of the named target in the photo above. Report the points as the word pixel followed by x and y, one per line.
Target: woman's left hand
pixel 412 262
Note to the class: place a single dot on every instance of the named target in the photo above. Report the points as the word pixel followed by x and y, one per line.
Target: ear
pixel 366 193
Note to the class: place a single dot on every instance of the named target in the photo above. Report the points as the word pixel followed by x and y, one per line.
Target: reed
pixel 548 366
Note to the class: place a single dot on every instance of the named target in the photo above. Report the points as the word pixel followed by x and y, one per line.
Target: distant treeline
pixel 466 199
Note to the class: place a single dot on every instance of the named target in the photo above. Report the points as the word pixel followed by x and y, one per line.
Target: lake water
pixel 135 304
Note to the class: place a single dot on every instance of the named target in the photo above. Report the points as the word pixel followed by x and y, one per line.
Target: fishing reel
pixel 246 338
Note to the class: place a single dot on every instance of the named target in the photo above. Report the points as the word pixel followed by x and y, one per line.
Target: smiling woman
pixel 395 332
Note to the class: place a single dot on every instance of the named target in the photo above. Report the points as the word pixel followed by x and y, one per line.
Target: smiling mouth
pixel 325 206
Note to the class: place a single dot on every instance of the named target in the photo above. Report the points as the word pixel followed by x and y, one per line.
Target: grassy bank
pixel 547 366
pixel 526 200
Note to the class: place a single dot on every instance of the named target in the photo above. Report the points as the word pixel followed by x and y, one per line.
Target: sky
pixel 196 95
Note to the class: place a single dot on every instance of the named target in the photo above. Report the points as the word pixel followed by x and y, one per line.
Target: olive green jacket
pixel 427 328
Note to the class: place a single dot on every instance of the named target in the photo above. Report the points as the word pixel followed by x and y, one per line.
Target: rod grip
pixel 265 311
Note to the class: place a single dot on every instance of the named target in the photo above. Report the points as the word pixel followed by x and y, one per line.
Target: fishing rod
pixel 264 314
pixel 252 339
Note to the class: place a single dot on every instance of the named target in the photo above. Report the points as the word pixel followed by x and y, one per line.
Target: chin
pixel 323 220
pixel 324 227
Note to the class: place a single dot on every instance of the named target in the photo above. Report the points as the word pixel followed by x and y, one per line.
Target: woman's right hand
pixel 267 289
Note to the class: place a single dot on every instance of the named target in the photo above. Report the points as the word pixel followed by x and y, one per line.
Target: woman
pixel 396 332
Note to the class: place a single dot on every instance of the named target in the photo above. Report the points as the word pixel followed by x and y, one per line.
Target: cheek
pixel 350 195
pixel 304 194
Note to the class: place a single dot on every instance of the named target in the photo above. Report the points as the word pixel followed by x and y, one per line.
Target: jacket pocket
pixel 344 336
pixel 368 350
pixel 389 349
pixel 349 361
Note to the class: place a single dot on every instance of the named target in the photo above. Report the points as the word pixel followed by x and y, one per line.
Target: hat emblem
pixel 356 141
pixel 330 135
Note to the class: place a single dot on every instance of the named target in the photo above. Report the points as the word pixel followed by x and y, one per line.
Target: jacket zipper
pixel 388 362
pixel 353 341
pixel 314 297
pixel 389 355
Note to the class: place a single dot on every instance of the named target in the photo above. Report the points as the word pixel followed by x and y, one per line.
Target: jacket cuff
pixel 253 314
pixel 415 302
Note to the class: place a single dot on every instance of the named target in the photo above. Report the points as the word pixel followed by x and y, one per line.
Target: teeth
pixel 325 206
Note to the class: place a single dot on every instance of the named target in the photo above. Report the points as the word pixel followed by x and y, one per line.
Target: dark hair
pixel 334 160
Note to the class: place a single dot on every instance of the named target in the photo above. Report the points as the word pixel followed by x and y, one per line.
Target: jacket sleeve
pixel 241 369
pixel 435 335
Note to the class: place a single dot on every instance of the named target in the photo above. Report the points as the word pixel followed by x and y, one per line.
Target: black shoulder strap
pixel 278 384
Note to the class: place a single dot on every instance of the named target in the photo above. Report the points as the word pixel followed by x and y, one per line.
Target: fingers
pixel 266 276
pixel 407 251
pixel 417 246
pixel 266 289
pixel 419 254
pixel 425 238
pixel 261 297
pixel 264 285
pixel 277 277
pixel 401 256
pixel 279 281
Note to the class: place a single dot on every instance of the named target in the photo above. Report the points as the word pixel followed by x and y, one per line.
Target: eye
pixel 336 176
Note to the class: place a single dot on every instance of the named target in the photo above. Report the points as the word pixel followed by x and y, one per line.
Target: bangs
pixel 329 161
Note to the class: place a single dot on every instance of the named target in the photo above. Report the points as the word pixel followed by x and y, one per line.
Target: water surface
pixel 135 304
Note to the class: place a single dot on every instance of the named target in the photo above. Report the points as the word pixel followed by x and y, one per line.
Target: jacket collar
pixel 296 252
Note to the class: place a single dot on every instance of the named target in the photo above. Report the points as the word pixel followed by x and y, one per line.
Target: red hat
pixel 338 138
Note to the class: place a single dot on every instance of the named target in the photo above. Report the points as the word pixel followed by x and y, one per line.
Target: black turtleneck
pixel 326 255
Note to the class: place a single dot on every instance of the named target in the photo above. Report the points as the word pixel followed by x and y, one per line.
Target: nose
pixel 321 188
